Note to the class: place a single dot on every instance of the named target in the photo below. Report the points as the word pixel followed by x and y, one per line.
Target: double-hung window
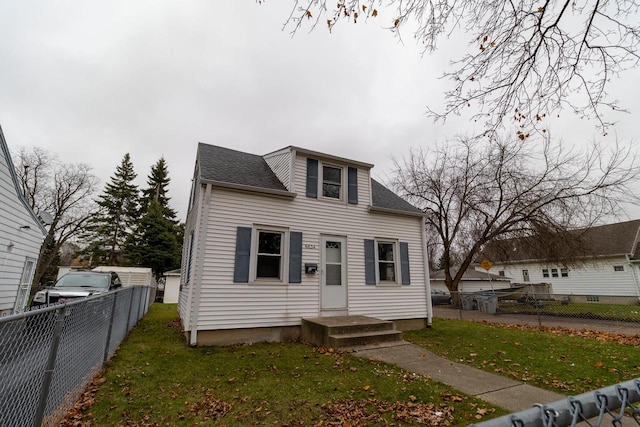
pixel 269 260
pixel 387 262
pixel 545 272
pixel 332 182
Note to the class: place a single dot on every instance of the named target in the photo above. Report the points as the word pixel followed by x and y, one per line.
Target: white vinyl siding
pixel 593 277
pixel 228 305
pixel 280 164
pixel 17 242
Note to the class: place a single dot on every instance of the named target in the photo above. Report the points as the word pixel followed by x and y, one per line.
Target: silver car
pixel 77 284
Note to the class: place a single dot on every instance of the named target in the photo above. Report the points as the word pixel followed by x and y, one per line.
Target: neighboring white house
pixel 130 276
pixel 171 287
pixel 21 235
pixel 607 265
pixel 472 281
pixel 291 234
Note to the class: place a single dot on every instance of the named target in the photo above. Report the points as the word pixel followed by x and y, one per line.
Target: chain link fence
pixel 48 356
pixel 613 405
pixel 544 308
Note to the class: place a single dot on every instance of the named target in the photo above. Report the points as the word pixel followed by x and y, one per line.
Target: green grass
pixel 156 379
pixel 629 313
pixel 566 364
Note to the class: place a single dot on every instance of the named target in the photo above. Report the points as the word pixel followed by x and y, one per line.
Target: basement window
pixel 618 268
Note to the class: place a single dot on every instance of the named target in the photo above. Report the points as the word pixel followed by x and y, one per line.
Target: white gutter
pixel 198 274
pixel 634 275
pixel 427 284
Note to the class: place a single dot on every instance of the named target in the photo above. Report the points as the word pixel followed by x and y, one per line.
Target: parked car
pixel 440 297
pixel 77 284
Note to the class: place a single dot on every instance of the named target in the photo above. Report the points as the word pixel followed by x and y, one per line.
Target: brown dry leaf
pixel 598 365
pixel 367 387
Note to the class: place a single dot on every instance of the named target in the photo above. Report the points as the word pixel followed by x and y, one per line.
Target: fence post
pixel 130 306
pixel 51 363
pixel 106 347
pixel 536 305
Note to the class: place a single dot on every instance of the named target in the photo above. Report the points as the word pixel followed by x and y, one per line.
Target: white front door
pixel 334 273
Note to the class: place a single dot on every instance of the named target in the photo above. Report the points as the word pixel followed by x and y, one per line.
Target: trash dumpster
pixel 488 303
pixel 467 301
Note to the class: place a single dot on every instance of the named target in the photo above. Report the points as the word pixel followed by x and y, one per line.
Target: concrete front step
pixel 364 338
pixel 348 331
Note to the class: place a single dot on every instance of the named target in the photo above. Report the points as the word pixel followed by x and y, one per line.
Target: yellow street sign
pixel 486 264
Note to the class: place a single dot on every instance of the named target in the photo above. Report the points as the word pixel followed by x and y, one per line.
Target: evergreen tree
pixel 118 211
pixel 155 243
pixel 157 189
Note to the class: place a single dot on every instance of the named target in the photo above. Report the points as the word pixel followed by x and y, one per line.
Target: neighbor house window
pixel 501 273
pixel 545 272
pixel 618 268
pixel 387 262
pixel 269 259
pixel 564 272
pixel 525 275
pixel 332 182
pixel 554 272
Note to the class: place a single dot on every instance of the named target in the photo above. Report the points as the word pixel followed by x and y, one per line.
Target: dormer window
pixel 332 182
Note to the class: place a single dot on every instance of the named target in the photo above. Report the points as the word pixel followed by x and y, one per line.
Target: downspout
pixel 427 284
pixel 634 275
pixel 203 225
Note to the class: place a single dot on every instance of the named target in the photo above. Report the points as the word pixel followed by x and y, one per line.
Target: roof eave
pixel 376 209
pixel 541 260
pixel 338 159
pixel 250 188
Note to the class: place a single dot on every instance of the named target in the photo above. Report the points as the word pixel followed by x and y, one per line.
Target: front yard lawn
pixel 156 379
pixel 561 360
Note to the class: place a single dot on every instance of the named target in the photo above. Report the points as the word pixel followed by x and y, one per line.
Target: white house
pixel 472 281
pixel 291 234
pixel 606 265
pixel 21 235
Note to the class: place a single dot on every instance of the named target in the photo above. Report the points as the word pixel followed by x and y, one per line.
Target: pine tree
pixel 117 214
pixel 157 189
pixel 155 244
pixel 156 241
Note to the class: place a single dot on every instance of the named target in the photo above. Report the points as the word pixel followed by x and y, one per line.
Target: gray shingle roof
pixel 384 198
pixel 235 167
pixel 469 274
pixel 604 240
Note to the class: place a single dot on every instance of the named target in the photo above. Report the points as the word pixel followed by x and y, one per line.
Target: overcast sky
pixel 91 81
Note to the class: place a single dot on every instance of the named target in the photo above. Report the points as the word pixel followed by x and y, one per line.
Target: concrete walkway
pixel 495 389
pixel 501 391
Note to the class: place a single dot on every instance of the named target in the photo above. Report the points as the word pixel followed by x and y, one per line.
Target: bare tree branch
pixel 474 192
pixel 526 60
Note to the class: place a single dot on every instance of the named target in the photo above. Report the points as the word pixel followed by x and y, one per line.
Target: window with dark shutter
pixel 352 178
pixel 295 257
pixel 243 255
pixel 404 263
pixel 369 262
pixel 312 178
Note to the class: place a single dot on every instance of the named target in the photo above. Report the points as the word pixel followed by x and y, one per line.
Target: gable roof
pixel 469 274
pixel 618 239
pixel 4 150
pixel 238 169
pixel 384 199
pixel 224 165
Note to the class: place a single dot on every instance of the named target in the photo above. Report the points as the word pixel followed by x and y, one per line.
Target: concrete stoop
pixel 349 331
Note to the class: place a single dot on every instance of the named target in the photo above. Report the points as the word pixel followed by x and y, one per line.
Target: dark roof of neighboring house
pixel 225 165
pixel 468 275
pixel 620 238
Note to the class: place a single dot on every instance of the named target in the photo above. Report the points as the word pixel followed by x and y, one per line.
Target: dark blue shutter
pixel 353 185
pixel 243 255
pixel 312 178
pixel 295 257
pixel 369 262
pixel 189 257
pixel 404 263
